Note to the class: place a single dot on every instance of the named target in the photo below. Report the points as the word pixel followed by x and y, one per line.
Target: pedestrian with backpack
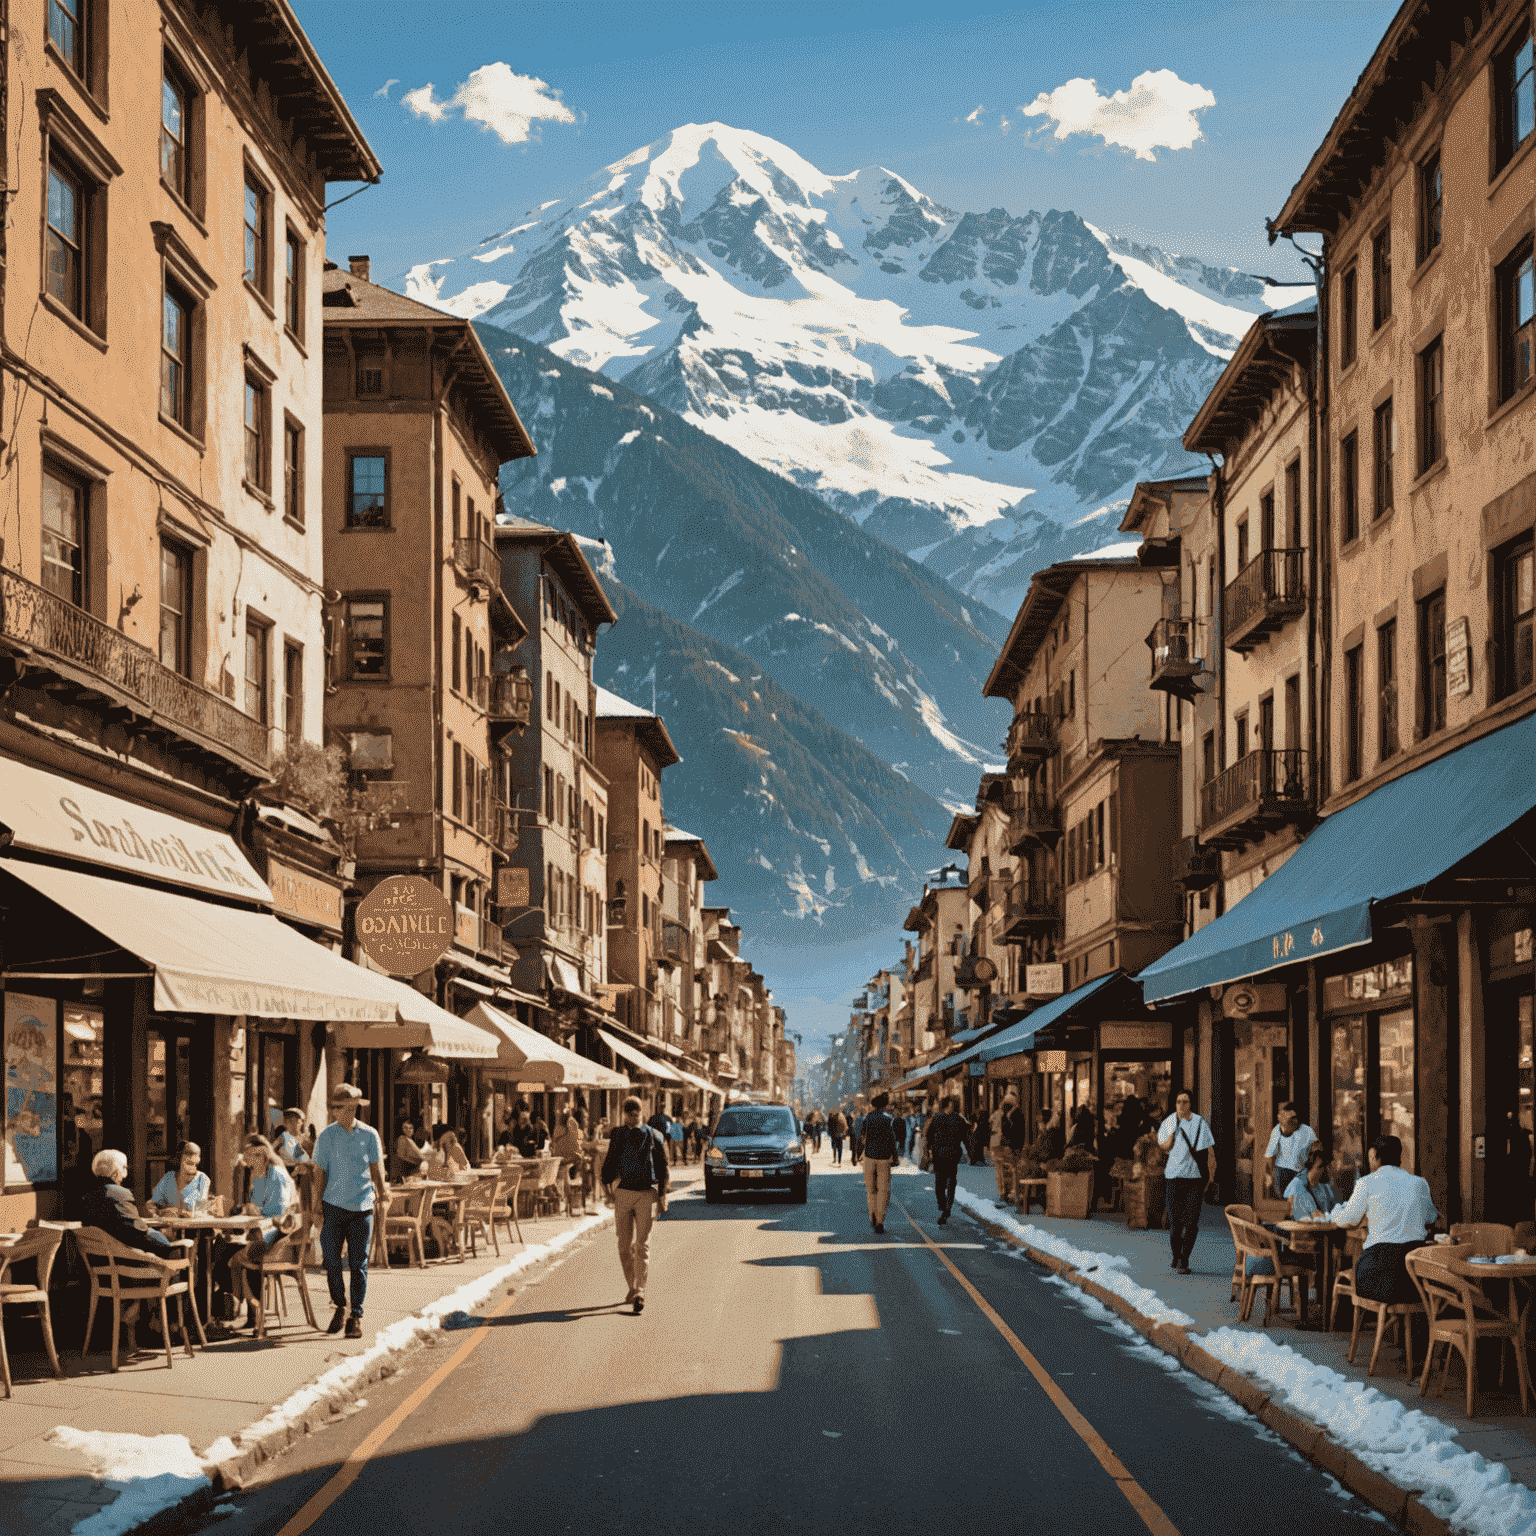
pixel 1187 1140
pixel 635 1175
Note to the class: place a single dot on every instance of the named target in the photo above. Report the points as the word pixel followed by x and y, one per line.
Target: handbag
pixel 1202 1157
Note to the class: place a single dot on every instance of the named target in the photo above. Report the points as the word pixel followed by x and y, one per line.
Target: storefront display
pixel 31 1090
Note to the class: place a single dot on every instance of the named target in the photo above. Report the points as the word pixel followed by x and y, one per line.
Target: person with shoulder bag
pixel 635 1174
pixel 1187 1139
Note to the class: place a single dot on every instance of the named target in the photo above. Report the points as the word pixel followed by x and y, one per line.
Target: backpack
pixel 635 1156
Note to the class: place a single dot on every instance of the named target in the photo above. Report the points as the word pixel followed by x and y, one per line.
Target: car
pixel 756 1147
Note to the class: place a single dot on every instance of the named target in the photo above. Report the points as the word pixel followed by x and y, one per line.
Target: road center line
pixel 352 1468
pixel 1136 1496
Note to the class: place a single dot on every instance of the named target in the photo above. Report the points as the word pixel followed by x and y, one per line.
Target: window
pixel 549 795
pixel 1208 757
pixel 1349 488
pixel 1381 277
pixel 175 608
pixel 293 284
pixel 66 31
pixel 1267 520
pixel 1517 610
pixel 256 200
pixel 1293 712
pixel 368 636
pixel 1242 737
pixel 1242 544
pixel 1348 303
pixel 1431 204
pixel 66 237
pixel 1383 440
pixel 257 405
pixel 1514 98
pixel 1354 714
pixel 368 493
pixel 173 134
pixel 293 471
pixel 1431 405
pixel 370 378
pixel 1432 664
pixel 458 492
pixel 256 634
pixel 1293 502
pixel 175 357
pixel 1267 723
pixel 458 781
pixel 1516 302
pixel 293 691
pixel 1386 690
pixel 455 680
pixel 64 504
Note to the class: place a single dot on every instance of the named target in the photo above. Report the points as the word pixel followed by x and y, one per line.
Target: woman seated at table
pixel 447 1157
pixel 108 1205
pixel 408 1158
pixel 182 1188
pixel 274 1196
pixel 1312 1195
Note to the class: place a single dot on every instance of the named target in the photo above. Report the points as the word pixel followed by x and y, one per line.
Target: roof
pixel 1419 46
pixel 1048 590
pixel 1152 495
pixel 961 830
pixel 351 302
pixel 1276 344
pixel 651 729
pixel 562 552
pixel 269 35
pixel 701 859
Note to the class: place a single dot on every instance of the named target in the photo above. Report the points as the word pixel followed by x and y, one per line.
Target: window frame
pixel 349 601
pixel 256 264
pixel 172 293
pixel 293 697
pixel 77 58
pixel 1431 188
pixel 257 439
pixel 68 143
pixel 183 557
pixel 293 471
pixel 259 629
pixel 1432 707
pixel 1381 277
pixel 80 571
pixel 1349 313
pixel 295 253
pixel 1429 371
pixel 1511 619
pixel 1388 721
pixel 77 301
pixel 1354 714
pixel 350 524
pixel 1507 283
pixel 1383 461
pixel 1506 60
pixel 1349 487
pixel 174 78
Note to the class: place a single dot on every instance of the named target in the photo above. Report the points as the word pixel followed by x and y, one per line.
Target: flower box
pixel 1069 1194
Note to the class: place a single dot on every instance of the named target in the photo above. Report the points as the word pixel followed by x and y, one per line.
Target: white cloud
pixel 505 103
pixel 975 117
pixel 1158 111
pixel 385 89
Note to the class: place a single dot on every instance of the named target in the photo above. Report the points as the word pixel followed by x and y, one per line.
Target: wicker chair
pixel 285 1260
pixel 1256 1242
pixel 406 1222
pixel 128 1274
pixel 1238 1213
pixel 1488 1239
pixel 504 1204
pixel 545 1193
pixel 1344 1281
pixel 39 1247
pixel 477 1215
pixel 1459 1315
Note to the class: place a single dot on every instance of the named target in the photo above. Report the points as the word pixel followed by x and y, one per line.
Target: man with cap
pixel 880 1156
pixel 349 1181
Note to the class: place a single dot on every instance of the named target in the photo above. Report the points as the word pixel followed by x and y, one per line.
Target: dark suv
pixel 756 1147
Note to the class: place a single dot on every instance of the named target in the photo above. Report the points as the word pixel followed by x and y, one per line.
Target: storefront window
pixel 1348 1104
pixel 31 1090
pixel 80 1099
pixel 1261 1084
pixel 1395 1056
pixel 1393 979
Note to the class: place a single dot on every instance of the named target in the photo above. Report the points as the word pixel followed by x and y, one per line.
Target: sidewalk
pixel 266 1391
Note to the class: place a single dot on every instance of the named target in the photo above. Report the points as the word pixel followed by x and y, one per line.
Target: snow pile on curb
pixel 151 1472
pixel 1415 1450
pixel 1111 1270
pixel 155 1472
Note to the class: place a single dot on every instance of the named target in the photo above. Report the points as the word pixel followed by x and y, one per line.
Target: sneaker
pixel 338 1317
pixel 880 1226
pixel 639 1305
pixel 354 1327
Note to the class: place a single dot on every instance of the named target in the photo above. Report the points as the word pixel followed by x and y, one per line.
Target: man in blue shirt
pixel 349 1179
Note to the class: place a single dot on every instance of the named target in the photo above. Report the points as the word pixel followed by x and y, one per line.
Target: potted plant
pixel 1069 1184
pixel 1145 1190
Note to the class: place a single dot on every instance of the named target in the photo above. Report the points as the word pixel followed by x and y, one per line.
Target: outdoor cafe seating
pixel 122 1274
pixel 37 1248
pixel 1461 1315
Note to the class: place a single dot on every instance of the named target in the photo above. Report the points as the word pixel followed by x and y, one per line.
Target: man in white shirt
pixel 1181 1135
pixel 1286 1154
pixel 1400 1210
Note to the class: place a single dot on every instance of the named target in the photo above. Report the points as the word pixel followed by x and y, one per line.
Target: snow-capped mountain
pixel 975 388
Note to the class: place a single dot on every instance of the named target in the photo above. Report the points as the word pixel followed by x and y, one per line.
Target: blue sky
pixel 847 85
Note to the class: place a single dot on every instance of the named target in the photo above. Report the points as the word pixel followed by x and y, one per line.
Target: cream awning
pixel 537 1059
pixel 638 1058
pixel 699 1082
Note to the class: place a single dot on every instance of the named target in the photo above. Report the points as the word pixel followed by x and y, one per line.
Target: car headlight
pixel 714 1155
pixel 793 1153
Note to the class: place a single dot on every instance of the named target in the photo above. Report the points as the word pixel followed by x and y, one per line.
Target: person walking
pixel 998 1151
pixel 981 1136
pixel 879 1153
pixel 1286 1154
pixel 1014 1129
pixel 635 1175
pixel 856 1138
pixel 1184 1135
pixel 348 1182
pixel 945 1136
pixel 837 1129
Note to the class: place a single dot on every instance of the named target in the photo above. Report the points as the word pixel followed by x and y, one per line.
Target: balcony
pixel 477 562
pixel 1257 795
pixel 1178 649
pixel 1195 868
pixel 1031 739
pixel 1267 594
pixel 507 697
pixel 1033 906
pixel 924 968
pixel 1032 818
pixel 981 885
pixel 676 946
pixel 98 666
pixel 504 830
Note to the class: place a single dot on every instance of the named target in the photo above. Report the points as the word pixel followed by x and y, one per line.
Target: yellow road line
pixel 352 1468
pixel 1136 1496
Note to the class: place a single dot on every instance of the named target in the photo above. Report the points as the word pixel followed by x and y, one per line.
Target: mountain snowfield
pixel 980 390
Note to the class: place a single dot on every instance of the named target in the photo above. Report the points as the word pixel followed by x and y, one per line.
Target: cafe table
pixel 1328 1232
pixel 204 1229
pixel 1508 1268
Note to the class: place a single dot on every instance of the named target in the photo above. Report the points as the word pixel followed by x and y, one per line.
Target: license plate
pixel 751 1173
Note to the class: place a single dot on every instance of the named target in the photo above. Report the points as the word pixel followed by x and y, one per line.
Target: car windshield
pixel 756 1122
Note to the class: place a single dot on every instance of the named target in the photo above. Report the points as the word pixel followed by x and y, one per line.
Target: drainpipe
pixel 1218 608
pixel 1322 544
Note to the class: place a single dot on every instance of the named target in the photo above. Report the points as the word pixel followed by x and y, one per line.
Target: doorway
pixel 178 1079
pixel 277 1064
pixel 1509 1190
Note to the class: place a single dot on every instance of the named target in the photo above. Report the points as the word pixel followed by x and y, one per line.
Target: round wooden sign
pixel 405 925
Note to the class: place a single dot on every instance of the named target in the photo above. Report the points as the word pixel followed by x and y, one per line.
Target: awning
pixel 564 977
pixel 1021 1037
pixel 535 1058
pixel 699 1082
pixel 208 958
pixel 496 975
pixel 441 1033
pixel 638 1058
pixel 1396 839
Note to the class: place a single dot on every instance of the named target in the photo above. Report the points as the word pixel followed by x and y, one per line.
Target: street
pixel 793 1370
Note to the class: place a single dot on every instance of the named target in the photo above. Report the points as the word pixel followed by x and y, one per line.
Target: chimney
pixel 358 266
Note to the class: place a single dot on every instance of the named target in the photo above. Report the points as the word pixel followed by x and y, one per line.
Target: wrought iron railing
pixel 924 968
pixel 1271 582
pixel 1034 901
pixel 676 940
pixel 1031 814
pixel 477 560
pixel 1032 735
pixel 1178 645
pixel 50 624
pixel 1276 774
pixel 505 696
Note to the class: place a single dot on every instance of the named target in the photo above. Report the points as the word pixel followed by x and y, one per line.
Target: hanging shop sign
pixel 1051 1061
pixel 405 925
pixel 298 894
pixel 1135 1037
pixel 512 886
pixel 1044 980
pixel 1011 1066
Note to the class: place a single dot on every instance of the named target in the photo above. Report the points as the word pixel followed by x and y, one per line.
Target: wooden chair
pixel 1256 1242
pixel 285 1260
pixel 406 1222
pixel 1388 1314
pixel 1525 1235
pixel 39 1247
pixel 1344 1281
pixel 1238 1213
pixel 504 1205
pixel 1459 1315
pixel 1488 1238
pixel 127 1274
pixel 477 1215
pixel 545 1193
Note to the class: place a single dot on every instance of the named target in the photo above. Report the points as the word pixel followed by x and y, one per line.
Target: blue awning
pixel 1022 1036
pixel 1396 839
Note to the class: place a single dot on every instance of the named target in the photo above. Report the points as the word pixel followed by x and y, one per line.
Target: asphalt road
pixel 795 1372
